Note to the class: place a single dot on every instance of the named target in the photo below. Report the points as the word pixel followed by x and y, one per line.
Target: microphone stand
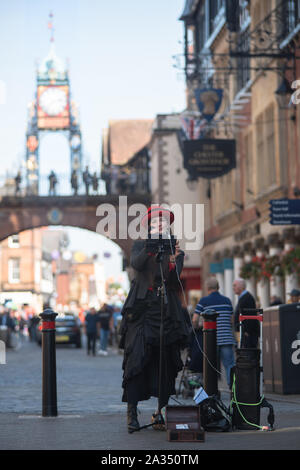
pixel 158 417
pixel 163 301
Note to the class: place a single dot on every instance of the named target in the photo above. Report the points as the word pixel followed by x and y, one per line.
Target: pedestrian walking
pixel 140 328
pixel 74 182
pixel 225 336
pixel 6 320
pixel 21 324
pixel 105 316
pixel 95 182
pixel 106 177
pixel 33 321
pixel 87 179
pixel 91 330
pixel 250 328
pixel 18 180
pixel 116 317
pixel 52 183
pixel 114 174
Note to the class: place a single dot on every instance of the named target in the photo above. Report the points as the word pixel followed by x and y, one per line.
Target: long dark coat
pixel 140 327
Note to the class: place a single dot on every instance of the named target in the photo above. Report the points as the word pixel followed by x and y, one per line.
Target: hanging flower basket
pixel 274 266
pixel 261 267
pixel 256 268
pixel 291 262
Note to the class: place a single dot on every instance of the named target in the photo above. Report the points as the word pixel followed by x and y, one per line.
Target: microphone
pixel 167 233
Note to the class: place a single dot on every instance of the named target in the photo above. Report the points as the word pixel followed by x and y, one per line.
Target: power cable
pixel 192 326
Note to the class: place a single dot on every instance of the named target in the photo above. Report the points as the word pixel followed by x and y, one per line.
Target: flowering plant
pixel 255 268
pixel 291 261
pixel 262 267
pixel 274 266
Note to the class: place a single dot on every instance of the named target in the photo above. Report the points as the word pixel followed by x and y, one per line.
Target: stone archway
pixel 19 214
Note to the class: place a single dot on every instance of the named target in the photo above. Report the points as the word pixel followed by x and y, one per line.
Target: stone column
pixel 248 254
pixel 217 269
pixel 263 286
pixel 291 280
pixel 228 275
pixel 276 282
pixel 220 277
pixel 238 261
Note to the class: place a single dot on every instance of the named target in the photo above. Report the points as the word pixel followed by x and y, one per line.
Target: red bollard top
pixel 209 319
pixel 48 319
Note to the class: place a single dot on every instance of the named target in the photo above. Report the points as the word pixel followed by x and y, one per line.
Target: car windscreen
pixel 65 323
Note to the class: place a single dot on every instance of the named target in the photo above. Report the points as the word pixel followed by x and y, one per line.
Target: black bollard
pixel 245 390
pixel 49 407
pixel 210 371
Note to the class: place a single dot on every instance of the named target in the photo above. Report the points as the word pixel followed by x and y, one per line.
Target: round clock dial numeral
pixel 53 101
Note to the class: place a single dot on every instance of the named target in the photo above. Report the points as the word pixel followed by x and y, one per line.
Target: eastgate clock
pixel 53 101
pixel 51 111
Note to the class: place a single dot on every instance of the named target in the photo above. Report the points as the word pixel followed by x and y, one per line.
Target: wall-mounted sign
pixel 209 158
pixel 208 101
pixel 285 211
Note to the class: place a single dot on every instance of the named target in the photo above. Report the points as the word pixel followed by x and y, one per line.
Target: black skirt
pixel 142 350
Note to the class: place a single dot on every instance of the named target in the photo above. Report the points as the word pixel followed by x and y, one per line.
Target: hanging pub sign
pixel 209 158
pixel 208 101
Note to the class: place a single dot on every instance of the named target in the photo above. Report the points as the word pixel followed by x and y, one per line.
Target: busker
pixel 140 328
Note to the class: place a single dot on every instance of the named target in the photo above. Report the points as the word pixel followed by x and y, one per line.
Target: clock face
pixel 53 101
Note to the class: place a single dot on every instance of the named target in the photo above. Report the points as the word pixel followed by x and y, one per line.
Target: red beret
pixel 155 211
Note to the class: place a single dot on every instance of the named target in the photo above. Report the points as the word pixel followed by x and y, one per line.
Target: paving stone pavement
pixel 92 416
pixel 85 384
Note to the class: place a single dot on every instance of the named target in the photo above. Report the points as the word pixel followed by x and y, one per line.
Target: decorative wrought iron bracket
pixel 269 46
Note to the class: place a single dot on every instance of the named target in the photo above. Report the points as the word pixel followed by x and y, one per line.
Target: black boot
pixel 132 421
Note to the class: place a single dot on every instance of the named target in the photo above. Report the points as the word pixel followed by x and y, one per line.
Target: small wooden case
pixel 183 424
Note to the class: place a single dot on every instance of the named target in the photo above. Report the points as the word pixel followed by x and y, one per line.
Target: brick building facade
pixel 265 126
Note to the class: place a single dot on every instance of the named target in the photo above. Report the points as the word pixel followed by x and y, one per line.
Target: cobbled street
pixel 91 414
pixel 85 384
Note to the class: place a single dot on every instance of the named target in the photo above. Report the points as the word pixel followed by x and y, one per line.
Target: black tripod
pixel 160 247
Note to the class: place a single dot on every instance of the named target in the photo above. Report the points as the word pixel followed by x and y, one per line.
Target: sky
pixel 120 64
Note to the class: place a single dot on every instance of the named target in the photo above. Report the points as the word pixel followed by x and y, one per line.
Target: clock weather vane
pixel 51 26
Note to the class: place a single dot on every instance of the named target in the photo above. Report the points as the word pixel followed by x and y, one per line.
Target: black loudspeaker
pixel 246 389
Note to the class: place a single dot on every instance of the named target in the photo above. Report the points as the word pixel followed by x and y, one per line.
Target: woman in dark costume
pixel 140 328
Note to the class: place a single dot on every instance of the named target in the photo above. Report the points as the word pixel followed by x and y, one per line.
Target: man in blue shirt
pixel 225 337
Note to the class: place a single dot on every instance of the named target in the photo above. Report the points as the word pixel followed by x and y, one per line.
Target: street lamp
pixel 282 92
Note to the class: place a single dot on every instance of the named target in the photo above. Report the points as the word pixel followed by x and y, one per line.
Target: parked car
pixel 68 331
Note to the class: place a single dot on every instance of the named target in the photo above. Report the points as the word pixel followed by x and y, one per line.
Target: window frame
pixel 12 269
